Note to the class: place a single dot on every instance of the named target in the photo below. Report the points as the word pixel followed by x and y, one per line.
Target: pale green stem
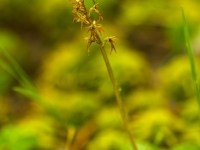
pixel 118 97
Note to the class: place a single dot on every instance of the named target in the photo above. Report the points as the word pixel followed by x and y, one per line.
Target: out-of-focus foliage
pixel 54 96
pixel 13 138
pixel 181 72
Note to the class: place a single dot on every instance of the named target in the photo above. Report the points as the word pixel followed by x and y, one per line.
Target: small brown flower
pixel 96 9
pixel 89 42
pixel 94 1
pixel 79 12
pixel 111 40
pixel 95 27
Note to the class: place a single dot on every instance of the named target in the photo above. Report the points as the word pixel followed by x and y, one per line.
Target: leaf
pixel 191 57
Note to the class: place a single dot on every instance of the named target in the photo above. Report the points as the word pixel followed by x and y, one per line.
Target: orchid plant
pixel 82 15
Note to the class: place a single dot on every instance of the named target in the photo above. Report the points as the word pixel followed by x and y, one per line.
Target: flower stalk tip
pixel 82 15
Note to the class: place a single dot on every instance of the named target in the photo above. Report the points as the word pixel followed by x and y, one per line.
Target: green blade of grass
pixel 27 87
pixel 7 68
pixel 15 70
pixel 28 93
pixel 191 58
pixel 25 82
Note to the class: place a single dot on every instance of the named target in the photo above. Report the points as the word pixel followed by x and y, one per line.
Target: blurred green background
pixel 53 96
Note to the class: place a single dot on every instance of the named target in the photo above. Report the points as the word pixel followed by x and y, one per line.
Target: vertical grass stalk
pixel 191 59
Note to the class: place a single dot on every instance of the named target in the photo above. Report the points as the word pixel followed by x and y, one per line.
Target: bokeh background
pixel 53 96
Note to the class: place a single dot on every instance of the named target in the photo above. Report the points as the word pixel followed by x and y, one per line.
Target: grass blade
pixel 14 69
pixel 23 78
pixel 191 58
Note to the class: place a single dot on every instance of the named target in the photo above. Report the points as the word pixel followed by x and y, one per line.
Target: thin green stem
pixel 118 97
pixel 191 59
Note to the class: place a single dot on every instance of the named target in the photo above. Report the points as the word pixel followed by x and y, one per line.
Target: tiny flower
pixel 82 19
pixel 95 27
pixel 79 12
pixel 111 40
pixel 96 9
pixel 94 1
pixel 89 42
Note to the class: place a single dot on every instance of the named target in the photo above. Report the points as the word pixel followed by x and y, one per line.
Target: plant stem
pixel 81 15
pixel 118 97
pixel 191 59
